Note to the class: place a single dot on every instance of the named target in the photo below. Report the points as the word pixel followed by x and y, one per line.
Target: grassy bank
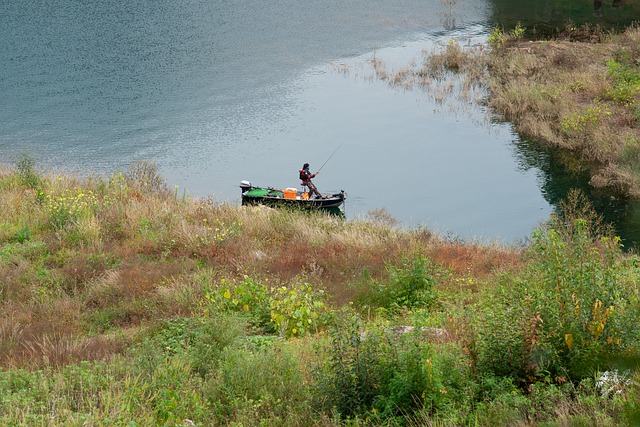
pixel 579 92
pixel 126 303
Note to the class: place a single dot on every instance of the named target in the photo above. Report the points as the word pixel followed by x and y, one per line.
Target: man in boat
pixel 305 177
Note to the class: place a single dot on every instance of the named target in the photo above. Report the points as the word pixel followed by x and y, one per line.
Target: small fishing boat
pixel 291 197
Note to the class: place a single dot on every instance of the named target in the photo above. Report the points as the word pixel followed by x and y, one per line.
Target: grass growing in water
pixel 578 91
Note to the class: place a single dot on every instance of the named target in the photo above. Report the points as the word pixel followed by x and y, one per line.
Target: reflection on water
pixel 548 15
pixel 598 6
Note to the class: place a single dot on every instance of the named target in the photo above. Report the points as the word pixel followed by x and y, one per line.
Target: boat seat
pixel 304 190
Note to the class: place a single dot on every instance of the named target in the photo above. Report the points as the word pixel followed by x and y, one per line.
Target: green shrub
pixel 26 171
pixel 170 393
pixel 632 404
pixel 411 284
pixel 350 379
pixel 499 402
pixel 499 37
pixel 199 341
pixel 499 338
pixel 626 82
pixel 579 124
pixel 248 296
pixel 622 93
pixel 623 73
pixel 410 380
pixel 259 386
pixel 492 387
pixel 570 312
pixel 209 340
pixel 14 233
pixel 22 235
pixel 66 208
pixel 384 374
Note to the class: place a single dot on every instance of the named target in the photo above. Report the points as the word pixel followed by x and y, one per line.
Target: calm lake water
pixel 221 91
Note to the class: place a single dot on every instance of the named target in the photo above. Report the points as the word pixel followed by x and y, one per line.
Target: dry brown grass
pixel 474 259
pixel 55 350
pixel 38 335
pixel 59 350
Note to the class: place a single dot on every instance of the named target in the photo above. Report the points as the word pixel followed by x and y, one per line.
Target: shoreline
pixel 577 92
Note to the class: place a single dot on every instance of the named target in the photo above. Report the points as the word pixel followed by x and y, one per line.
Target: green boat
pixel 290 197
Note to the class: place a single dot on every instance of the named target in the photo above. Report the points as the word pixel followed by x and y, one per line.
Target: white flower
pixel 613 382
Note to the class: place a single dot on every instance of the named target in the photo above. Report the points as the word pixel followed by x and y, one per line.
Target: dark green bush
pixel 409 380
pixel 349 380
pixel 210 338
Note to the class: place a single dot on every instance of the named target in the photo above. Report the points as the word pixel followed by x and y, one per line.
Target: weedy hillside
pixel 125 302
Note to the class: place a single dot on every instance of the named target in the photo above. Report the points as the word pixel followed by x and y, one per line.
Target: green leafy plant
pixel 199 341
pixel 298 309
pixel 518 31
pixel 22 235
pixel 626 82
pixel 380 373
pixel 249 296
pixel 571 310
pixel 69 206
pixel 578 124
pixel 411 284
pixel 292 310
pixel 258 385
pixel 350 379
pixel 499 38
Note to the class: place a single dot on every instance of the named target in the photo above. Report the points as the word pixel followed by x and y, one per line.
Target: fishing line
pixel 336 150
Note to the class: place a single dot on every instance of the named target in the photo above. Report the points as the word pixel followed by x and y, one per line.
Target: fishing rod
pixel 330 157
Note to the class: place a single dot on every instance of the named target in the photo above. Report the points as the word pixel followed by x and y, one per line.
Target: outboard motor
pixel 245 185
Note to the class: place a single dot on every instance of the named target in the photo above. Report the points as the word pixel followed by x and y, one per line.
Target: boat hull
pixel 275 198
